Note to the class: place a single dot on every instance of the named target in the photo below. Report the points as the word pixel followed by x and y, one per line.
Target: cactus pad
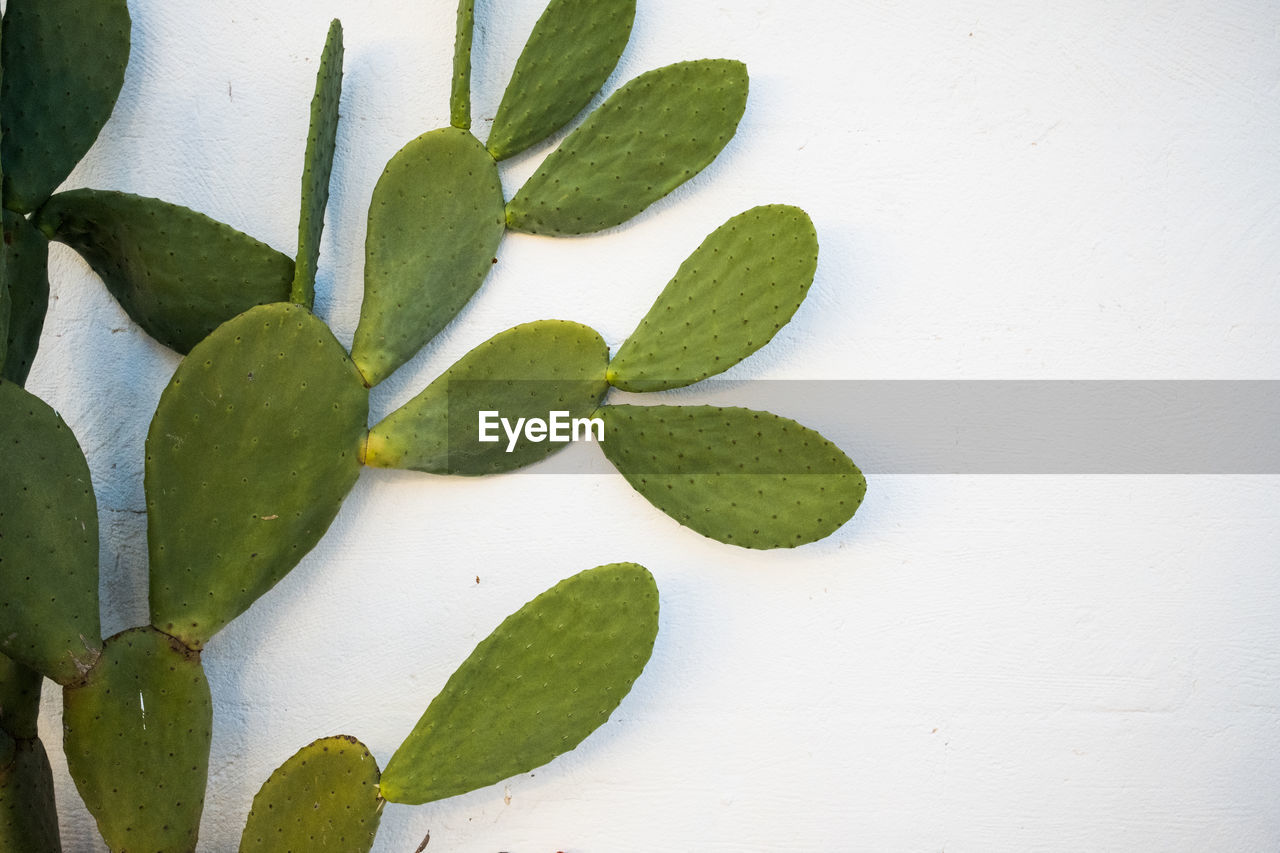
pixel 252 449
pixel 726 301
pixel 524 372
pixel 735 475
pixel 19 699
pixel 434 225
pixel 322 800
pixel 48 541
pixel 176 272
pixel 28 816
pixel 460 88
pixel 64 64
pixel 26 268
pixel 318 165
pixel 136 735
pixel 572 51
pixel 649 137
pixel 550 675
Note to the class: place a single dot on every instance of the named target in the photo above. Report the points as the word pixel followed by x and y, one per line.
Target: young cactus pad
pixel 735 475
pixel 726 301
pixel 28 817
pixel 318 165
pixel 176 272
pixel 573 49
pixel 48 541
pixel 322 800
pixel 550 674
pixel 136 735
pixel 525 372
pixel 64 63
pixel 254 445
pixel 434 225
pixel 649 137
pixel 26 280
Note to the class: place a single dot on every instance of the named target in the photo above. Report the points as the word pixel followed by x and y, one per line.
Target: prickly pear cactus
pixel 26 282
pixel 317 167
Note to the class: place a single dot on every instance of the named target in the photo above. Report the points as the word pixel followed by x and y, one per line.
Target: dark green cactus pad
pixel 572 51
pixel 64 64
pixel 551 674
pixel 460 88
pixel 28 815
pixel 136 735
pixel 434 225
pixel 26 273
pixel 649 137
pixel 254 445
pixel 19 699
pixel 48 541
pixel 322 140
pixel 726 301
pixel 177 273
pixel 735 475
pixel 322 800
pixel 525 372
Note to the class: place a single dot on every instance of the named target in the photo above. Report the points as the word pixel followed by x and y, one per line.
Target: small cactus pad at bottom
pixel 550 674
pixel 28 816
pixel 136 735
pixel 322 800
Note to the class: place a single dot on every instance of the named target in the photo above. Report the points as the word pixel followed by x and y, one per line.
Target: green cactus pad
pixel 649 137
pixel 322 800
pixel 551 674
pixel 735 475
pixel 434 225
pixel 460 89
pixel 318 165
pixel 525 372
pixel 28 815
pixel 136 735
pixel 176 272
pixel 572 51
pixel 254 445
pixel 26 267
pixel 726 301
pixel 19 699
pixel 48 541
pixel 64 64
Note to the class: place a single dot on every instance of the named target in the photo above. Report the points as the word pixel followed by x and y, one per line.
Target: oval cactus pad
pixel 26 279
pixel 735 475
pixel 322 139
pixel 649 137
pixel 726 301
pixel 573 49
pixel 551 674
pixel 64 64
pixel 177 273
pixel 254 445
pixel 28 814
pixel 322 800
pixel 434 225
pixel 136 736
pixel 48 541
pixel 526 372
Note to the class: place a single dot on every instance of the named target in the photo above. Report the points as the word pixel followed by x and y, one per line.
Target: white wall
pixel 1002 190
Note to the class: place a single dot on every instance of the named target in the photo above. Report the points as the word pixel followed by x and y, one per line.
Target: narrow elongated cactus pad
pixel 252 449
pixel 322 800
pixel 19 699
pixel 551 674
pixel 649 137
pixel 726 301
pixel 176 272
pixel 738 476
pixel 136 736
pixel 460 88
pixel 48 541
pixel 434 225
pixel 526 372
pixel 573 49
pixel 28 814
pixel 322 140
pixel 64 64
pixel 26 266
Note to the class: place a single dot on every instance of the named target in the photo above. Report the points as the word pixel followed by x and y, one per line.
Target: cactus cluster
pixel 264 427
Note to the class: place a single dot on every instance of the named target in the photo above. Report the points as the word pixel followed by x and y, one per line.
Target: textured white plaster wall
pixel 1002 190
